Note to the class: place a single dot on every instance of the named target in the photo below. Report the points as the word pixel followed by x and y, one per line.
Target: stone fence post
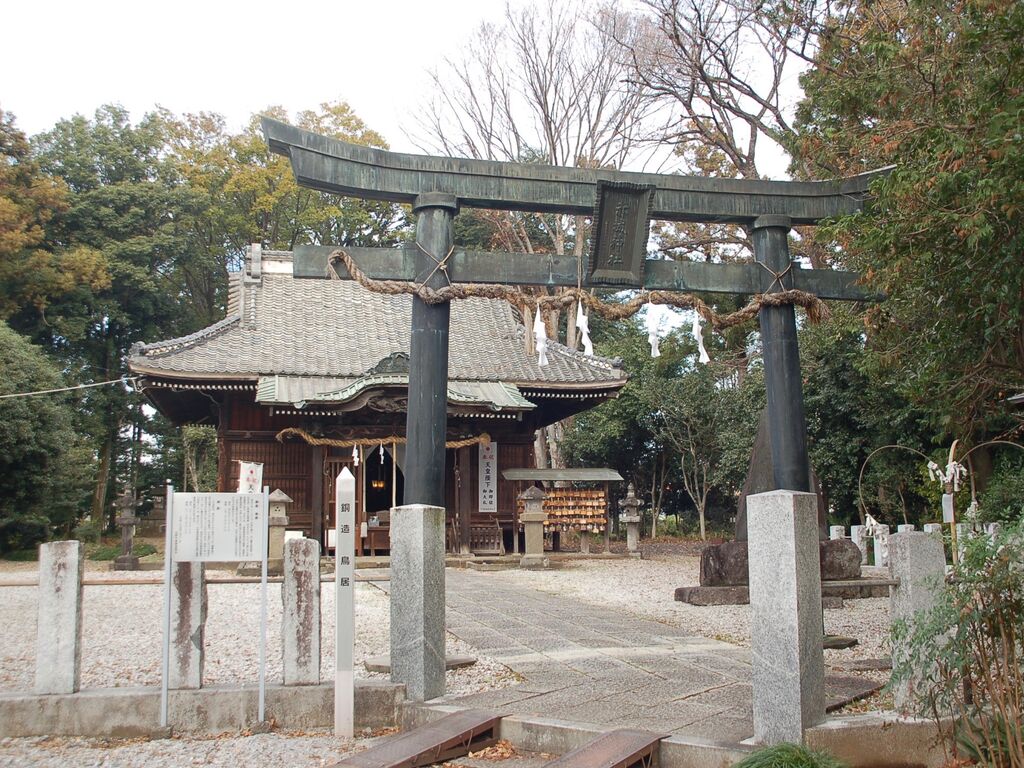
pixel 880 533
pixel 300 615
pixel 188 625
pixel 857 534
pixel 918 561
pixel 59 623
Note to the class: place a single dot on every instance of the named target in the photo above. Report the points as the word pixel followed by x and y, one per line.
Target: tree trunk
pixel 540 449
pixel 99 494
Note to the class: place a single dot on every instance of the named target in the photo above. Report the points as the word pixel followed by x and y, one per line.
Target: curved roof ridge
pixel 183 342
pixel 606 363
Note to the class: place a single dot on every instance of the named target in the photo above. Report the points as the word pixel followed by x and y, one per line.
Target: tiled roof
pixel 338 329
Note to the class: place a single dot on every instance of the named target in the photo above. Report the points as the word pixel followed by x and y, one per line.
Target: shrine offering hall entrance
pixel 379 486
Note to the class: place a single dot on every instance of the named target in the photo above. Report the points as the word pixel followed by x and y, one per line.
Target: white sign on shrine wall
pixel 218 527
pixel 488 477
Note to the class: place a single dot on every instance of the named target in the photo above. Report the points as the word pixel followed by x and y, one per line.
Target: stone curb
pixel 135 712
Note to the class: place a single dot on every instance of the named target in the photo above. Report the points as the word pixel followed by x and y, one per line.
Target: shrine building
pixel 310 376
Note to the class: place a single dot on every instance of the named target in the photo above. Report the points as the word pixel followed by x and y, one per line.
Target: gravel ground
pixel 116 652
pixel 304 750
pixel 121 639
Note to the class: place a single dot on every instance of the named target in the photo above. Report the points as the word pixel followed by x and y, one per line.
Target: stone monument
pixel 724 568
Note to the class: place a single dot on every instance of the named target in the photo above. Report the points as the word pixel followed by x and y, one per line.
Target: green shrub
pixel 1003 498
pixel 29 555
pixel 788 755
pixel 965 656
pixel 23 532
pixel 88 531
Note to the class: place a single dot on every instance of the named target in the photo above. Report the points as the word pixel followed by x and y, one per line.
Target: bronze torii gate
pixel 622 205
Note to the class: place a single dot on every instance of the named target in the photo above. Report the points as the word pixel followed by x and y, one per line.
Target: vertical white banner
pixel 250 477
pixel 488 501
pixel 344 581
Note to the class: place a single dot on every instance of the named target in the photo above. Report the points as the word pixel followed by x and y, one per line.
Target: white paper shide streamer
pixel 954 473
pixel 583 326
pixel 698 336
pixel 541 336
pixel 652 330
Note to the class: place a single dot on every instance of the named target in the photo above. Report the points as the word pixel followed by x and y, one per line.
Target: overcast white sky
pixel 60 57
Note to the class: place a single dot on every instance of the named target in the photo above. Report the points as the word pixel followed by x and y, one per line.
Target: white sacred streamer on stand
pixel 699 338
pixel 583 326
pixel 652 330
pixel 541 336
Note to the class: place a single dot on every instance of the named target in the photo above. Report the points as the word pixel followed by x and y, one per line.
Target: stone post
pixel 837 532
pixel 59 622
pixel 630 515
pixel 584 541
pixel 880 540
pixel 533 518
pixel 125 505
pixel 905 528
pixel 933 529
pixel 918 562
pixel 188 625
pixel 857 536
pixel 417 600
pixel 279 501
pixel 964 531
pixel 785 604
pixel 992 530
pixel 300 614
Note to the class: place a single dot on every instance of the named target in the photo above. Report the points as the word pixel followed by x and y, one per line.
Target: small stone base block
pixel 383 663
pixel 125 563
pixel 533 562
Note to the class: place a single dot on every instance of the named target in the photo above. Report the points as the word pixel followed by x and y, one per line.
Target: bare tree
pixel 728 72
pixel 550 85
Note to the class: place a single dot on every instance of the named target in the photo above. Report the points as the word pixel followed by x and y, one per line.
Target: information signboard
pixel 217 527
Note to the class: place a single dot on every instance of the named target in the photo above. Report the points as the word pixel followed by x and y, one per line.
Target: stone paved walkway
pixel 592 664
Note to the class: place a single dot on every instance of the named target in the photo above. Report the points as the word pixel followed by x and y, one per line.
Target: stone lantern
pixel 279 501
pixel 630 515
pixel 125 504
pixel 533 518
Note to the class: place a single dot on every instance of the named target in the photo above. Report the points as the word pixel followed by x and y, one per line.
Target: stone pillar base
pixel 785 606
pixel 125 563
pixel 417 600
pixel 534 561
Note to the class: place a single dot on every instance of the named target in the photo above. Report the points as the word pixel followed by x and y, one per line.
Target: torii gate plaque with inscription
pixel 622 205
